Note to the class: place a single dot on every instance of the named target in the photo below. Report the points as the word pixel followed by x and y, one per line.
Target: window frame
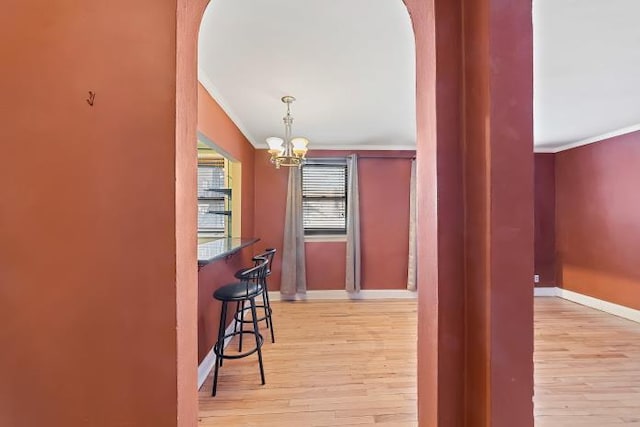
pixel 327 162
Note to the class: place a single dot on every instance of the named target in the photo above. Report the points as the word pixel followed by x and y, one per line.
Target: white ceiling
pixel 351 65
pixel 587 70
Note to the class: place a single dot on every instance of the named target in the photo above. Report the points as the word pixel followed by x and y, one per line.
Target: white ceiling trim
pixel 217 97
pixel 361 147
pixel 544 150
pixel 587 141
pixel 351 147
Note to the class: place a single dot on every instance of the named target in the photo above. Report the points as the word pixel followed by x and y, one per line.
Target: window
pixel 213 211
pixel 324 197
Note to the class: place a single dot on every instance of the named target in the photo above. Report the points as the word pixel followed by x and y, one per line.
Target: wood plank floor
pixel 337 363
pixel 344 363
pixel 587 367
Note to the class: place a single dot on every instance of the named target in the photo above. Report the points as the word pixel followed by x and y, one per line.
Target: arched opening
pixel 452 280
pixel 356 95
pixel 200 7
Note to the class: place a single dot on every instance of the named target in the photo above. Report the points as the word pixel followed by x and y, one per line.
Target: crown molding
pixel 542 150
pixel 351 147
pixel 591 140
pixel 388 147
pixel 215 94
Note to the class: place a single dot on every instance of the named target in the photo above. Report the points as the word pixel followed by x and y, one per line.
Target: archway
pixel 474 113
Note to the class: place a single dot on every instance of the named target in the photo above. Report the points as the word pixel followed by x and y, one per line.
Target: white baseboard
pixel 208 363
pixel 550 291
pixel 370 294
pixel 598 304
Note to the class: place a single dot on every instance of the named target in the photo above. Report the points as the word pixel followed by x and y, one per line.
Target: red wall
pixel 384 216
pixel 545 218
pixel 384 221
pixel 216 125
pixel 598 219
pixel 271 201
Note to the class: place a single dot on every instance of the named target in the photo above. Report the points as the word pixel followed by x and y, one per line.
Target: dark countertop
pixel 221 248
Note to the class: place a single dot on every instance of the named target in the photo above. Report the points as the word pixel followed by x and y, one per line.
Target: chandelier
pixel 288 151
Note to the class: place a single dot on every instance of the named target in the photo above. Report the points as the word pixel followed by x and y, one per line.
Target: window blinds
pixel 324 198
pixel 211 176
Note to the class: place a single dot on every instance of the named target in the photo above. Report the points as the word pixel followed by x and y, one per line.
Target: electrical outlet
pixel 536 278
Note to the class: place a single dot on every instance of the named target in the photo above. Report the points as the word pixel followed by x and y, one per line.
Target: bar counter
pixel 213 249
pixel 218 260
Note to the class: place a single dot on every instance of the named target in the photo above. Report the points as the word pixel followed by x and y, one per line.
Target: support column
pixel 498 112
pixel 475 200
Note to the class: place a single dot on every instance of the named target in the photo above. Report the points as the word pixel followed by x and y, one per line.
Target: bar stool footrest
pixel 216 350
pixel 237 316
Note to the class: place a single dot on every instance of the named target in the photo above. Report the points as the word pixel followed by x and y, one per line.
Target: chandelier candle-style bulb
pixel 288 151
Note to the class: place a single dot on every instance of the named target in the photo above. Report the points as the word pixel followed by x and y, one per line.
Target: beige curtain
pixel 353 226
pixel 412 278
pixel 294 276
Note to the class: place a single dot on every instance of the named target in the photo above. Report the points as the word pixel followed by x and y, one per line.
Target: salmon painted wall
pixel 88 256
pixel 384 216
pixel 598 219
pixel 545 218
pixel 218 127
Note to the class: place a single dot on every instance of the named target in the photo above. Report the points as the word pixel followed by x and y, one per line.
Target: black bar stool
pixel 268 254
pixel 249 287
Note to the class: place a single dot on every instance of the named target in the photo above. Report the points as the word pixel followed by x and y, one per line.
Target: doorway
pixel 459 166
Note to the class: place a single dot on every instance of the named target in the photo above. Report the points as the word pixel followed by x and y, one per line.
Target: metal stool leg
pixel 223 329
pixel 217 349
pixel 235 322
pixel 241 325
pixel 257 335
pixel 267 305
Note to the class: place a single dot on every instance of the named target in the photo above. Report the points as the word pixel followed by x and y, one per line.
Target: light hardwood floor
pixel 587 367
pixel 336 363
pixel 353 363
